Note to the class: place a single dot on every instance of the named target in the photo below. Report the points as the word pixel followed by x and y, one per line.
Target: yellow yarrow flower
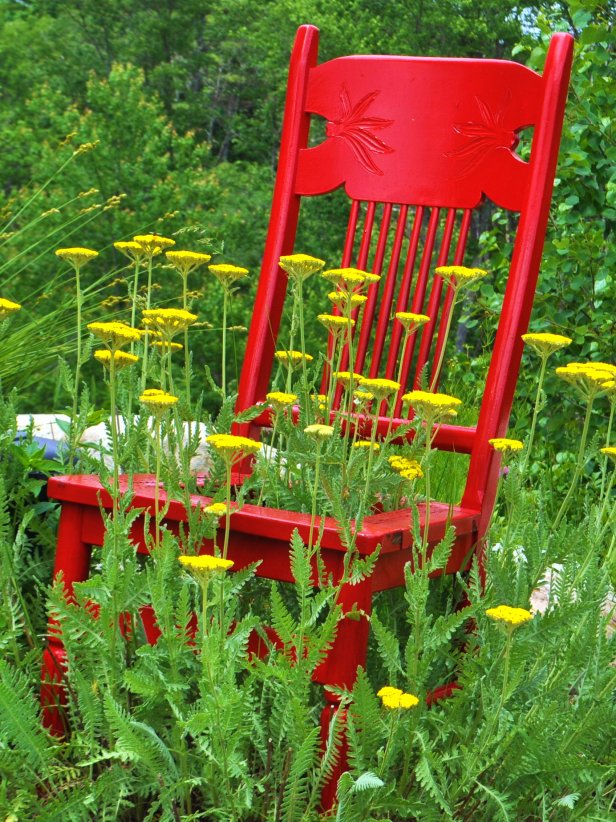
pixel 7 307
pixel 395 699
pixel 202 567
pixel 292 358
pixel 77 257
pixel 364 444
pixel 345 377
pixel 545 344
pixel 363 397
pixel 132 250
pixel 168 321
pixel 153 244
pixel 318 431
pixel 157 401
pixel 335 322
pixel 459 276
pixel 407 468
pixel 609 451
pixel 389 690
pixel 280 399
pixel 300 266
pixel 343 300
pixel 232 447
pixel 121 359
pixel 589 378
pixel 410 321
pixel 227 274
pixel 505 446
pixel 431 406
pixel 165 345
pixel 510 616
pixel 187 261
pixel 347 279
pixel 379 388
pixel 217 509
pixel 114 334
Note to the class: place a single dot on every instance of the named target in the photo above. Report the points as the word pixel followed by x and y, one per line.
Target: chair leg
pixel 347 654
pixel 53 692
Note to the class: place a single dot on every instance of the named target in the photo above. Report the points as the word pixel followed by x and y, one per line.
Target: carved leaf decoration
pixel 484 136
pixel 357 130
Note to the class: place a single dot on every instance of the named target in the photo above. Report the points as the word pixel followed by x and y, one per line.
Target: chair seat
pixel 259 532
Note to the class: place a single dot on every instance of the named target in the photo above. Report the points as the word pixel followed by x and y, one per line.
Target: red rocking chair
pixel 417 143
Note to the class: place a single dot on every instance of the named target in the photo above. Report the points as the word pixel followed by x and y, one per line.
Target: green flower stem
pixel 331 391
pixel 157 446
pixel 351 390
pixel 315 489
pixel 73 443
pixel 579 464
pixel 133 311
pixel 146 338
pixel 441 357
pixel 228 511
pixel 608 437
pixel 186 352
pixel 294 322
pixel 424 540
pixel 114 431
pixel 392 729
pixel 537 409
pixel 300 300
pixel 364 503
pixel 400 366
pixel 224 344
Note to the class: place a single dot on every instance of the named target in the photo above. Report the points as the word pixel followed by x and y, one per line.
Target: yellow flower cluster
pixel 300 266
pixel 609 451
pixel 509 615
pixel 318 431
pixel 345 377
pixel 187 261
pixel 132 250
pixel 77 257
pixel 157 401
pixel 280 399
pixel 153 244
pixel 410 321
pixel 206 563
pixel 114 334
pixel 432 406
pixel 232 447
pixel 379 388
pixel 217 509
pixel 227 274
pixel 347 279
pixel 361 444
pixel 545 344
pixel 459 276
pixel 589 378
pixel 363 397
pixel 168 321
pixel 343 300
pixel 7 307
pixel 407 468
pixel 505 446
pixel 165 345
pixel 292 358
pixel 121 359
pixel 335 322
pixel 394 698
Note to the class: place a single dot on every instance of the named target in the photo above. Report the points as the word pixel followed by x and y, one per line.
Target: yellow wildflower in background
pixel 346 279
pixel 363 397
pixel 280 399
pixel 362 444
pixel 410 321
pixel 407 468
pixel 114 334
pixel 206 562
pixel 156 401
pixel 232 447
pixel 379 388
pixel 187 261
pixel 318 431
pixel 165 345
pixel 510 616
pixel 121 359
pixel 609 451
pixel 292 358
pixel 395 699
pixel 77 257
pixel 388 690
pixel 343 300
pixel 545 344
pixel 153 244
pixel 335 322
pixel 430 405
pixel 131 249
pixel 459 276
pixel 505 446
pixel 300 266
pixel 589 378
pixel 345 377
pixel 227 274
pixel 168 321
pixel 217 509
pixel 7 307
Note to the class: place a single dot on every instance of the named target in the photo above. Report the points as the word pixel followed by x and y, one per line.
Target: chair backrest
pixel 417 143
